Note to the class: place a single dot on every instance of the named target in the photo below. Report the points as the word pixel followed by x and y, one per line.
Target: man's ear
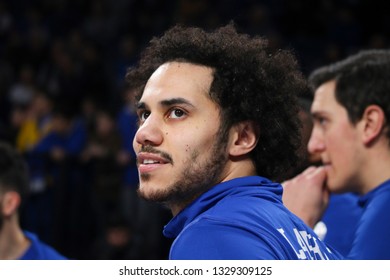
pixel 10 204
pixel 373 122
pixel 244 138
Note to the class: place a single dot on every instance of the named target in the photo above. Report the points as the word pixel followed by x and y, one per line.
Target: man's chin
pixel 150 195
pixel 335 188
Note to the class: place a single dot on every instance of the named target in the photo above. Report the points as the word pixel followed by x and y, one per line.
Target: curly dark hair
pixel 250 83
pixel 361 79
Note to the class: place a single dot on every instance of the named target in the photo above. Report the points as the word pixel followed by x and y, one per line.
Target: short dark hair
pixel 251 82
pixel 361 80
pixel 13 171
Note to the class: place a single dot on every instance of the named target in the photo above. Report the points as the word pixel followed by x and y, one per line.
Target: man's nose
pixel 316 143
pixel 149 132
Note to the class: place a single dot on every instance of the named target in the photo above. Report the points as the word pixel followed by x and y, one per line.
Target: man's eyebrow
pixel 140 105
pixel 167 103
pixel 175 101
pixel 318 114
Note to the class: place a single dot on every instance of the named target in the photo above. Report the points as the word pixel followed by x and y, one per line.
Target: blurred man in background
pixel 14 242
pixel 351 111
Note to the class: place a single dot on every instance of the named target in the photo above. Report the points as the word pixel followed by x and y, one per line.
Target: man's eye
pixel 322 121
pixel 176 113
pixel 143 116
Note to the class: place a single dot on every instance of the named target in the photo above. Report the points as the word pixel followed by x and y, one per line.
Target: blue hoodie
pixel 39 250
pixel 372 237
pixel 243 218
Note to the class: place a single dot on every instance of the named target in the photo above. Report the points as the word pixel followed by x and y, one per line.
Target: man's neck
pixel 377 168
pixel 243 168
pixel 13 242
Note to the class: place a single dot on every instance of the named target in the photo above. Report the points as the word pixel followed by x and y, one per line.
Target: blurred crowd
pixel 65 106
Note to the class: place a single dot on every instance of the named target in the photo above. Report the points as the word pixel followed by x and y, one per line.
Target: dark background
pixel 104 37
pixel 76 50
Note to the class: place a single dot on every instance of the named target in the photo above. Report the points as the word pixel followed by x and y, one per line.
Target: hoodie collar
pixel 253 185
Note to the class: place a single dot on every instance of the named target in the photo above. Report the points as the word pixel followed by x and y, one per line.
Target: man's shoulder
pixel 210 237
pixel 39 250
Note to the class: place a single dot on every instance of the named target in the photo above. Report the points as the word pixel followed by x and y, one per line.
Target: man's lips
pixel 148 161
pixel 147 158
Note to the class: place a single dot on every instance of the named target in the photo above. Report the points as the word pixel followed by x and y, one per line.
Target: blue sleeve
pixel 372 236
pixel 213 240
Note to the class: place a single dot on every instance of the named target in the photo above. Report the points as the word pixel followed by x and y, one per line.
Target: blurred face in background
pixel 60 124
pixel 105 124
pixel 41 105
pixel 1 211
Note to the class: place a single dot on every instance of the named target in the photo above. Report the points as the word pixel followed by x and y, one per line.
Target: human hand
pixel 306 194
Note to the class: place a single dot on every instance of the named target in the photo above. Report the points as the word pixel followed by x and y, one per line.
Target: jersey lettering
pixel 308 245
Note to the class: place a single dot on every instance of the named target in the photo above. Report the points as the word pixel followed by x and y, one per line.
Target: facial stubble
pixel 196 178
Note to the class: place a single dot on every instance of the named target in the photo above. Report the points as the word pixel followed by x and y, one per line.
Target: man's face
pixel 336 139
pixel 1 212
pixel 178 143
